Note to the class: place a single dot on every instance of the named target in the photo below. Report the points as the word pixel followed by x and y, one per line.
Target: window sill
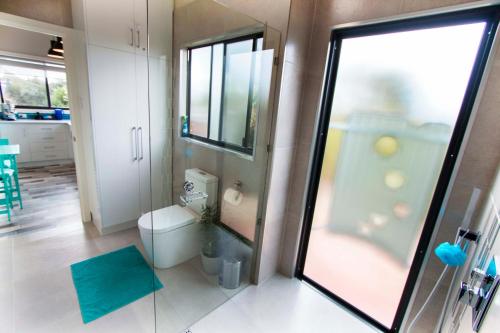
pixel 217 148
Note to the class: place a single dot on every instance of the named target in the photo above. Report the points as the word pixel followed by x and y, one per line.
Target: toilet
pixel 174 232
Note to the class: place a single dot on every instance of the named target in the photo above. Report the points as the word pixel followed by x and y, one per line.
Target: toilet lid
pixel 167 218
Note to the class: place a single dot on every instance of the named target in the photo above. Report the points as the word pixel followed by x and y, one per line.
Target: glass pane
pixel 238 77
pixel 260 42
pixel 200 90
pixel 396 101
pixel 58 89
pixel 215 102
pixel 24 86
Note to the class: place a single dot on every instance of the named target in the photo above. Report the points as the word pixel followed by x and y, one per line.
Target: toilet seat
pixel 167 219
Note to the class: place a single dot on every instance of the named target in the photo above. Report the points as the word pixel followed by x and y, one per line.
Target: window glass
pixel 395 106
pixel 199 90
pixel 223 88
pixel 215 103
pixel 58 89
pixel 238 76
pixel 23 86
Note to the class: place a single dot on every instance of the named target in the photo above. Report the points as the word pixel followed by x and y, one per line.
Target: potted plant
pixel 210 251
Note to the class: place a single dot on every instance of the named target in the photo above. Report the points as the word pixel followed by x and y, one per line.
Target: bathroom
pixel 198 145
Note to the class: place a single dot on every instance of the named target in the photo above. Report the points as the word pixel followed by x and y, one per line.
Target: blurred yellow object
pixel 386 146
pixel 394 179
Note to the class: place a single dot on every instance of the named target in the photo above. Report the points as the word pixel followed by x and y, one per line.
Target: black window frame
pixel 490 14
pixel 244 148
pixel 49 105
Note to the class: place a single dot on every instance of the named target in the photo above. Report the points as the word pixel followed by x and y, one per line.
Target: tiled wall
pixel 285 140
pixel 305 60
pixel 228 167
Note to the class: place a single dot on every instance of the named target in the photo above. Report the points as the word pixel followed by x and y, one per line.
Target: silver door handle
pixel 141 156
pixel 138 38
pixel 134 143
pixel 131 37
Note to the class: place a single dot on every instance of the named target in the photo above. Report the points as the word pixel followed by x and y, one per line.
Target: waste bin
pixel 230 274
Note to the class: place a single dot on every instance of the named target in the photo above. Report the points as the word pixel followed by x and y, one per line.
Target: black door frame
pixel 488 14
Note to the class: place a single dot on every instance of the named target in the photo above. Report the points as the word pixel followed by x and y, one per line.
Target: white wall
pixel 24 42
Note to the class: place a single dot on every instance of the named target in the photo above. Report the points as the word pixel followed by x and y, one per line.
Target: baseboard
pixel 44 163
pixel 118 227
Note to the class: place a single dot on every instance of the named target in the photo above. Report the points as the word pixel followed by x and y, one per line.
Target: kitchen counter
pixel 41 141
pixel 35 121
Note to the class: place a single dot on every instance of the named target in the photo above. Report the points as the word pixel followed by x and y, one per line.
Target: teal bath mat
pixel 112 280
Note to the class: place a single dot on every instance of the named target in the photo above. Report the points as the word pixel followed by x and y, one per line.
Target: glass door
pixel 397 99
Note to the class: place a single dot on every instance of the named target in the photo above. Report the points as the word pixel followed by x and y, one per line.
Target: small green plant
pixel 209 219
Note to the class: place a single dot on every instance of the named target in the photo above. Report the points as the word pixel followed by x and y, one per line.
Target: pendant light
pixel 56 49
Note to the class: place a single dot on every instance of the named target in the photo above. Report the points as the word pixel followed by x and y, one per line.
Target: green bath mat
pixel 112 280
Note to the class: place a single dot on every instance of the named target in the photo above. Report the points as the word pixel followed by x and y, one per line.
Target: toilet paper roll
pixel 233 196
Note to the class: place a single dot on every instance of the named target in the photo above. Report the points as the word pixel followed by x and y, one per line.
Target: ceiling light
pixel 57 45
pixel 56 49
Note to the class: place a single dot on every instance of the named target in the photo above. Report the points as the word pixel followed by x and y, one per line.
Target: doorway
pixel 396 103
pixel 39 178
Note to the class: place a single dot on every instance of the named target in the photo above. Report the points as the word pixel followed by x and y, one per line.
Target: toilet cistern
pixel 190 194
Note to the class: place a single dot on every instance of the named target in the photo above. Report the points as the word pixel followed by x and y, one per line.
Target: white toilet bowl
pixel 172 235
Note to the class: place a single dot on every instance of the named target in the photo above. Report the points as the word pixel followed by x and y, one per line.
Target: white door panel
pixel 140 19
pixel 110 23
pixel 112 82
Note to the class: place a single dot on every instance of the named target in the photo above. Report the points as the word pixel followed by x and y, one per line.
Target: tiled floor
pixel 46 237
pixel 37 293
pixel 280 305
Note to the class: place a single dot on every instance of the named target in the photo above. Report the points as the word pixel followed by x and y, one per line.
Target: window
pixel 222 92
pixel 33 85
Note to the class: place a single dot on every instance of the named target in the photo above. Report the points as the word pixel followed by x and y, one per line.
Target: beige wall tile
pixel 289 247
pixel 415 5
pixel 286 132
pixel 279 187
pixel 299 32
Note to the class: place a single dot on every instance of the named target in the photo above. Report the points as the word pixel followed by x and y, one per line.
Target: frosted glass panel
pixel 215 102
pixel 236 92
pixel 199 83
pixel 396 100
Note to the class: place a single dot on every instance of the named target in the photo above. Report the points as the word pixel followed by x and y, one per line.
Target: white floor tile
pixel 281 305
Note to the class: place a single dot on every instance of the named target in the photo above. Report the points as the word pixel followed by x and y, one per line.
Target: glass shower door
pixel 394 99
pixel 209 121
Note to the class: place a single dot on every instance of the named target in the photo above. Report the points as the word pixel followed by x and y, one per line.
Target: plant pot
pixel 211 265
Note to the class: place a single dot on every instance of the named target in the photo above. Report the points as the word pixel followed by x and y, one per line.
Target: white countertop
pixel 35 121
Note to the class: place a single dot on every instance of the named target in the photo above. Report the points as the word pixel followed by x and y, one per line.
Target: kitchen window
pixel 222 92
pixel 32 84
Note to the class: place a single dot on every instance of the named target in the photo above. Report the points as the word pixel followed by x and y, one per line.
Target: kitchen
pixel 35 121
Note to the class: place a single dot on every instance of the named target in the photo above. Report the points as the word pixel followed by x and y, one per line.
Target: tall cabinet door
pixel 141 22
pixel 110 23
pixel 142 110
pixel 113 91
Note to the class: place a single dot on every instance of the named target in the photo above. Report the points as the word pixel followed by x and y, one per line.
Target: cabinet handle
pixel 134 144
pixel 138 39
pixel 141 156
pixel 131 37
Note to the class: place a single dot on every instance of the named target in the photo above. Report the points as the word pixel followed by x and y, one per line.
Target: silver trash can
pixel 230 274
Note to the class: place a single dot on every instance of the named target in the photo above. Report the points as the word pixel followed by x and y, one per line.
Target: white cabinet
pixel 117 24
pixel 114 110
pixel 16 135
pixel 118 78
pixel 38 141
